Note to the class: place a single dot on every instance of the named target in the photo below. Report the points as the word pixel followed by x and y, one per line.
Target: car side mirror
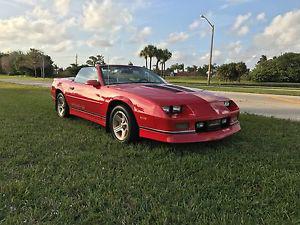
pixel 94 83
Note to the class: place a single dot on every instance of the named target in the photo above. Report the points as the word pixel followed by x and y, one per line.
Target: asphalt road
pixel 279 106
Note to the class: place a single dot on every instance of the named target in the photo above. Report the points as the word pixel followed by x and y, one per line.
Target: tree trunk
pixel 34 71
pixel 150 63
pixel 162 69
pixel 146 62
pixel 157 62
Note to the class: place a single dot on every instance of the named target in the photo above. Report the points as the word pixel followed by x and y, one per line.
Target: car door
pixel 87 97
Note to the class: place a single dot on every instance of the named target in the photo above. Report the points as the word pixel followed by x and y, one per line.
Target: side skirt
pixel 89 116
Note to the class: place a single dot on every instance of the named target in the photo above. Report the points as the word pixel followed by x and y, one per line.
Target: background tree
pixel 33 63
pixel 166 55
pixel 94 60
pixel 191 69
pixel 241 69
pixel 71 71
pixel 144 54
pixel 232 71
pixel 284 68
pixel 159 54
pixel 33 60
pixel 151 50
pixel 262 59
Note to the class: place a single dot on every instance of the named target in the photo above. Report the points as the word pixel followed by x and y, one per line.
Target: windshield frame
pixel 129 66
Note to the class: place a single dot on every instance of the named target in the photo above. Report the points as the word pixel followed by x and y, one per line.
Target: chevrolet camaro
pixel 133 102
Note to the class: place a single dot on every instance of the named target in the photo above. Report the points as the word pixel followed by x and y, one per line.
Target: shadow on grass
pixel 198 147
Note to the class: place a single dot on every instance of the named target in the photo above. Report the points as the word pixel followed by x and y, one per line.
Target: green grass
pixel 244 86
pixel 24 77
pixel 70 171
pixel 246 89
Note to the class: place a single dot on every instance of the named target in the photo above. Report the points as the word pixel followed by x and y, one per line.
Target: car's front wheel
pixel 123 125
pixel 61 106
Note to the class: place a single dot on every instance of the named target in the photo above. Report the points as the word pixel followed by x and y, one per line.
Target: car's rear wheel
pixel 61 106
pixel 123 125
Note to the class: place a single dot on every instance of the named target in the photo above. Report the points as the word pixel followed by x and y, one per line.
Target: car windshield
pixel 129 74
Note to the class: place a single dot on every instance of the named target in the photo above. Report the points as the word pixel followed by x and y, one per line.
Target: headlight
pixel 227 103
pixel 173 109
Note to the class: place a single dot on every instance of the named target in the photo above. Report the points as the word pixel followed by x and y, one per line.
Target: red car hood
pixel 170 94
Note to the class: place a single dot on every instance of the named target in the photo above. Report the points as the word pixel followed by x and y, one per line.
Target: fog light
pixel 200 125
pixel 227 103
pixel 224 121
pixel 167 109
pixel 176 109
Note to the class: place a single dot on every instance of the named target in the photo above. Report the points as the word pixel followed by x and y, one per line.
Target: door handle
pixel 72 88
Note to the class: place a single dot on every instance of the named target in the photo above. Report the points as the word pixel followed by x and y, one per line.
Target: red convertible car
pixel 134 102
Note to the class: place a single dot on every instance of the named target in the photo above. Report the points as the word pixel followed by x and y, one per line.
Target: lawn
pixel 70 171
pixel 244 86
pixel 245 89
pixel 24 77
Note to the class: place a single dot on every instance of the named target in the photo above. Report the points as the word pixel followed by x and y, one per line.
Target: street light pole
pixel 211 49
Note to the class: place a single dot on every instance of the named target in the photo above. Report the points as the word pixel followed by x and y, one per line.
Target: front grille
pixel 212 125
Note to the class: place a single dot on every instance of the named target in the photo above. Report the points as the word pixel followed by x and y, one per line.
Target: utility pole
pixel 43 66
pixel 76 59
pixel 211 49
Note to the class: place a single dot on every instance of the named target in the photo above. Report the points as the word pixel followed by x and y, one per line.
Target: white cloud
pixel 216 54
pixel 234 47
pixel 233 2
pixel 118 60
pixel 63 46
pixel 177 37
pixel 239 25
pixel 140 36
pixel 40 13
pixel 162 44
pixel 194 25
pixel 261 16
pixel 243 30
pixel 39 29
pixel 98 41
pixel 62 6
pixel 240 20
pixel 282 34
pixel 106 16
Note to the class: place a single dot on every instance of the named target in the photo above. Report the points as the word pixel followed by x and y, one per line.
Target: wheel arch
pixel 57 91
pixel 115 102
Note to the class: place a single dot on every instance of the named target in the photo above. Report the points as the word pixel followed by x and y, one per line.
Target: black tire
pixel 62 107
pixel 115 123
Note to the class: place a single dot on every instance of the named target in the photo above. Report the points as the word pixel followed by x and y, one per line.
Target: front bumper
pixel 189 137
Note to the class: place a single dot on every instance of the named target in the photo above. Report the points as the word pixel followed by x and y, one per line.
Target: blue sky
pixel 118 29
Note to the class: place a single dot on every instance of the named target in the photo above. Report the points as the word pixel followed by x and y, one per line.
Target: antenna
pixel 108 73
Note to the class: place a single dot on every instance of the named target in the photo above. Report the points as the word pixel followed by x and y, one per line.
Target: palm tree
pixel 159 54
pixel 94 60
pixel 144 54
pixel 166 56
pixel 151 49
